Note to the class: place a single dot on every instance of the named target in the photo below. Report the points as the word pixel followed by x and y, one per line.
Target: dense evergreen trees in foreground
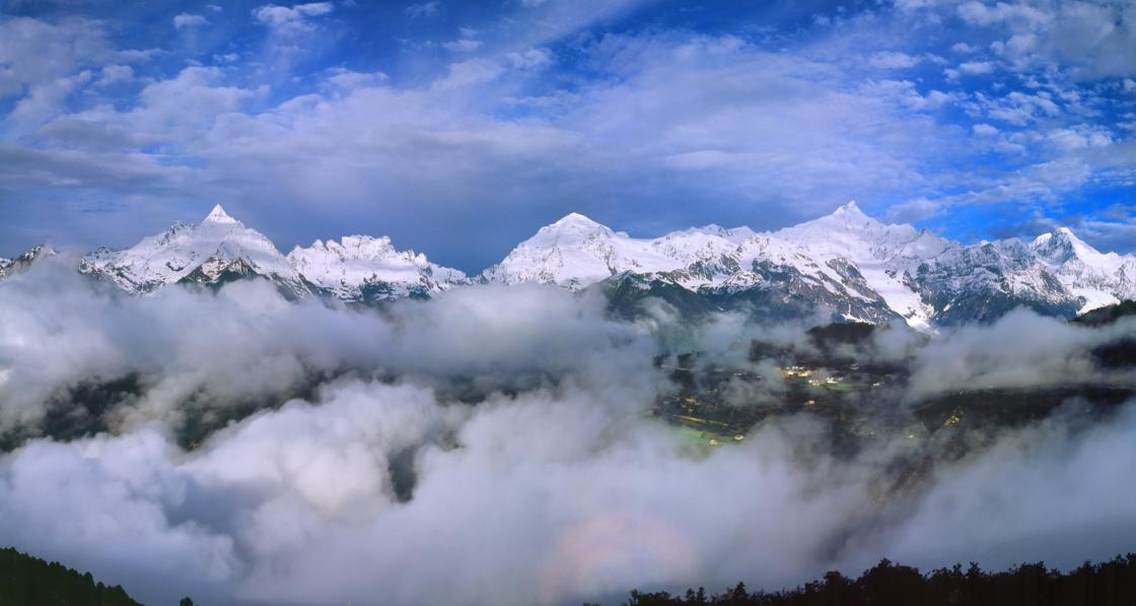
pixel 25 580
pixel 1107 584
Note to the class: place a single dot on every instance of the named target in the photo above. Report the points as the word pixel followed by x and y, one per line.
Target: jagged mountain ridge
pixel 366 268
pixel 221 249
pixel 847 262
pixel 769 273
pixel 217 250
pixel 24 260
pixel 846 265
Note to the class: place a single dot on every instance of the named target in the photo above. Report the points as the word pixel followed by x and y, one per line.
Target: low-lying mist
pixel 499 446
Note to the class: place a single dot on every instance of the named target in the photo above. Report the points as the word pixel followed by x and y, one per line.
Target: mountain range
pixel 846 265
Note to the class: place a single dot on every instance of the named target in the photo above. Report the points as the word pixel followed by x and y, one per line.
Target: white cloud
pixel 350 80
pixel 976 67
pixel 115 74
pixel 915 5
pixel 189 20
pixel 768 139
pixel 1090 40
pixel 1074 138
pixel 984 130
pixel 423 9
pixel 785 129
pixel 38 53
pixel 464 45
pixel 559 489
pixel 531 59
pixel 44 101
pixel 283 16
pixel 906 94
pixel 893 60
pixel 1014 13
pixel 1020 108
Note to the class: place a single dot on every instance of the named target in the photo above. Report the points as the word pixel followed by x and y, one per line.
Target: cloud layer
pixel 496 445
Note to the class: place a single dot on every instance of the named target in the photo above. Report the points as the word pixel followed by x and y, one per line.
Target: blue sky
pixel 459 128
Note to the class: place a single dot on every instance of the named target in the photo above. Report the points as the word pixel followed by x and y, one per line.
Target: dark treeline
pixel 26 580
pixel 1110 583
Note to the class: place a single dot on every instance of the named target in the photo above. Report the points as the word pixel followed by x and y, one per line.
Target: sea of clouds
pixel 495 445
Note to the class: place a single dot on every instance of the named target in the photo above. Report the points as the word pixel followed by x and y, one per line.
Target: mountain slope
pixel 1054 274
pixel 768 276
pixel 882 253
pixel 217 250
pixel 365 268
pixel 1099 278
pixel 9 267
pixel 221 249
pixel 575 252
pixel 982 282
pixel 843 266
pixel 846 264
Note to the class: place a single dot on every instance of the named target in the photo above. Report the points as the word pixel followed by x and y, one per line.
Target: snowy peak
pixel 575 252
pixel 218 215
pixel 571 227
pixel 358 268
pixel 1056 273
pixel 1097 278
pixel 736 235
pixel 218 246
pixel 849 233
pixel 221 248
pixel 847 218
pixel 845 262
pixel 348 248
pixel 850 212
pixel 1062 245
pixel 1062 250
pixel 574 219
pixel 883 254
pixel 24 260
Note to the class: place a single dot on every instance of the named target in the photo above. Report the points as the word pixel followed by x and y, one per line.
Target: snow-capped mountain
pixel 884 254
pixel 1054 274
pixel 217 250
pixel 221 249
pixel 845 263
pixel 24 260
pixel 575 252
pixel 1099 278
pixel 365 268
pixel 984 281
pixel 730 266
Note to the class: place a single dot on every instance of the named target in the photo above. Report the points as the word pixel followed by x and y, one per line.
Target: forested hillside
pixel 27 580
pixel 1111 583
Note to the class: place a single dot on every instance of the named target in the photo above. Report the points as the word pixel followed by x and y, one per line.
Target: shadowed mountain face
pixel 24 261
